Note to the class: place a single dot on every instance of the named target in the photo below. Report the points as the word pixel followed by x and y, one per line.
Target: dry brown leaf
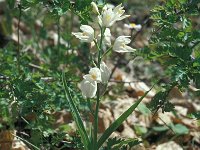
pixel 62 117
pixel 19 145
pixel 105 119
pixel 175 93
pixel 6 139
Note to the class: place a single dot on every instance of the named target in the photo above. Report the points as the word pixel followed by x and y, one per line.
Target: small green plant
pixel 175 43
pixel 31 67
pixel 99 75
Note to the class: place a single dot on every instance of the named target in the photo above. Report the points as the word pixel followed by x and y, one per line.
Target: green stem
pixel 90 107
pixel 104 54
pixel 58 26
pixel 96 119
pixel 97 45
pixel 18 50
pixel 98 92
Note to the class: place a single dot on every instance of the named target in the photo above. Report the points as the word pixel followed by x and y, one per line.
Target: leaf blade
pixel 119 121
pixel 76 115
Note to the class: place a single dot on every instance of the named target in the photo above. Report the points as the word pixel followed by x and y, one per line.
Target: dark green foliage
pixel 121 144
pixel 160 101
pixel 31 93
pixel 195 115
pixel 31 89
pixel 174 43
pixel 82 9
pixel 57 7
pixel 27 100
pixel 11 3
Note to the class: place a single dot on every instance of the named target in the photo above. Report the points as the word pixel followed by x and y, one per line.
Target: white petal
pixel 107 37
pixel 95 8
pixel 125 49
pixel 107 32
pixel 88 88
pixel 88 77
pixel 123 39
pixel 95 74
pixel 105 73
pixel 118 7
pixel 77 34
pixel 123 17
pixel 87 28
pixel 100 20
pixel 110 15
pixel 108 6
pixel 107 18
pixel 87 35
pixel 120 44
pixel 137 27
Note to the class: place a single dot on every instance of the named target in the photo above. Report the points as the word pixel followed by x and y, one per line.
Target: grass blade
pixel 76 115
pixel 118 122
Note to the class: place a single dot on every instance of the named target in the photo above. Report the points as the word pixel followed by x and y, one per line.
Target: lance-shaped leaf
pixel 118 122
pixel 76 115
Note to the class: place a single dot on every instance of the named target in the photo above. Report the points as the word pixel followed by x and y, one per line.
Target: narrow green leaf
pixel 118 122
pixel 129 142
pixel 180 129
pixel 11 3
pixel 160 128
pixel 76 115
pixel 143 109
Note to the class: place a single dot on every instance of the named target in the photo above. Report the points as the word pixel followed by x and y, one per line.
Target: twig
pixel 138 32
pixel 114 68
pixel 156 31
pixel 116 65
pixel 35 66
pixel 167 125
pixel 48 79
pixel 116 81
pixel 26 141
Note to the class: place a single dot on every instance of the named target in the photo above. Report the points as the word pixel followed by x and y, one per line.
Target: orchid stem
pixel 98 90
pixel 90 107
pixel 58 32
pixel 104 54
pixel 18 42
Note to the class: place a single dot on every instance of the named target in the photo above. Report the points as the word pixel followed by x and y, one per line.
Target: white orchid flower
pixel 110 15
pixel 95 8
pixel 88 87
pixel 119 11
pixel 107 6
pixel 87 35
pixel 107 37
pixel 120 45
pixel 89 84
pixel 137 27
pixel 105 72
pixel 95 74
pixel 107 18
